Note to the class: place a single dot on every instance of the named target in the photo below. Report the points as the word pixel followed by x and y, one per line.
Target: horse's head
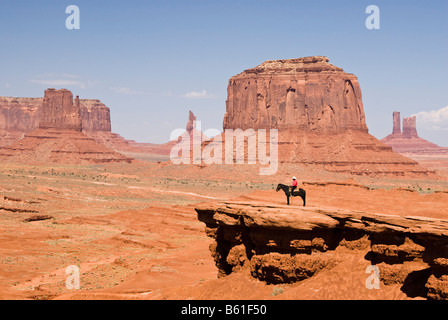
pixel 279 186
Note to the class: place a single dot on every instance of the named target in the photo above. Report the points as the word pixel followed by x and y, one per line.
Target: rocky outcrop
pixel 95 116
pixel 305 93
pixel 409 143
pixel 280 244
pixel 191 124
pixel 59 138
pixel 397 123
pixel 21 115
pixel 59 111
pixel 410 127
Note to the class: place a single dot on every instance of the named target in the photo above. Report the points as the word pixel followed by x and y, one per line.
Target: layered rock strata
pixel 59 137
pixel 22 115
pixel 279 244
pixel 19 116
pixel 59 111
pixel 305 93
pixel 318 111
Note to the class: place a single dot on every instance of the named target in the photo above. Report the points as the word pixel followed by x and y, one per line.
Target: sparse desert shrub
pixel 276 291
pixel 38 218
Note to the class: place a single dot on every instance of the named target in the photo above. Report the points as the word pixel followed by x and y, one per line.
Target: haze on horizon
pixel 152 61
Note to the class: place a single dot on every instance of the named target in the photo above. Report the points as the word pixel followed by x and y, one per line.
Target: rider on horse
pixel 294 184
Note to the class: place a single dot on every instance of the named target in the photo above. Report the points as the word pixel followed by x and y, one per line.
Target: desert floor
pixel 133 232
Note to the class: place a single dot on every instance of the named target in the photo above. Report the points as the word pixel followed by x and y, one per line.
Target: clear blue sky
pixel 152 61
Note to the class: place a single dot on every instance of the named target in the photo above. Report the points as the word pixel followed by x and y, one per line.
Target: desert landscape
pixel 139 227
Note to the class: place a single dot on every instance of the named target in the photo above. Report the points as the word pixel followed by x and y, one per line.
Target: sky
pixel 152 61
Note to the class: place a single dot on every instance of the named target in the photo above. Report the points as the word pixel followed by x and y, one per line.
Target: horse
pixel 300 193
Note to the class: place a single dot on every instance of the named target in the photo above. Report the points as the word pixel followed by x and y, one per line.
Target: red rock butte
pixel 305 93
pixel 20 116
pixel 408 142
pixel 58 111
pixel 318 110
pixel 59 137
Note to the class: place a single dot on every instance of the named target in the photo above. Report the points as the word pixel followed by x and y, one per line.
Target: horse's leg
pixel 287 199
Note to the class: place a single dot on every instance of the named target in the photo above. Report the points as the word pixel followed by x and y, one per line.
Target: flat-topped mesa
pixel 306 64
pixel 304 93
pixel 59 111
pixel 23 114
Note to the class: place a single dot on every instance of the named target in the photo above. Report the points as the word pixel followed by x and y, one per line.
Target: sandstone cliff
pixel 59 111
pixel 280 244
pixel 95 116
pixel 305 93
pixel 59 137
pixel 21 115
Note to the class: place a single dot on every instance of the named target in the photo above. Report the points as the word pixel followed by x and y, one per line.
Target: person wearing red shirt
pixel 294 184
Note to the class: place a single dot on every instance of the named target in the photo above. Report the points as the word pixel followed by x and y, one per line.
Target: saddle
pixel 295 193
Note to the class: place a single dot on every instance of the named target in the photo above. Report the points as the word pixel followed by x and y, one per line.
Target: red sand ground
pixel 133 232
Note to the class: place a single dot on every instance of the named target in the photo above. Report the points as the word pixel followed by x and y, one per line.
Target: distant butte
pixel 59 137
pixel 21 116
pixel 407 141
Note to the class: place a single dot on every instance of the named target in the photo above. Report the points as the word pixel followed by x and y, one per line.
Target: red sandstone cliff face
pixel 59 111
pixel 305 93
pixel 279 244
pixel 95 116
pixel 17 116
pixel 21 115
pixel 59 138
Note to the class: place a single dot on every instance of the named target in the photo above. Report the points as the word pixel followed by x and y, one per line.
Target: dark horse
pixel 286 189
